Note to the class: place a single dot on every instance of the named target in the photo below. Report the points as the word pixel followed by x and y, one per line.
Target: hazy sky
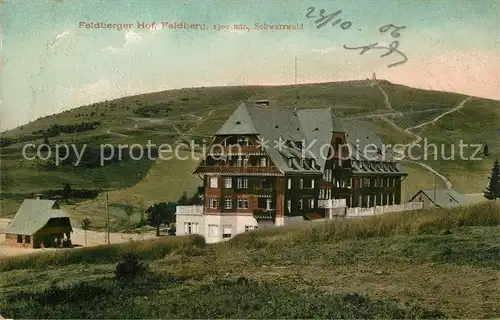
pixel 50 64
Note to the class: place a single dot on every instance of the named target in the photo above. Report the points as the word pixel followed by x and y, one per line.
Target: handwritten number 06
pixel 394 32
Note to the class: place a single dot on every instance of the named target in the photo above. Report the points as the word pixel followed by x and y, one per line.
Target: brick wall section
pixel 11 241
pixel 212 192
pixel 280 196
pixel 355 194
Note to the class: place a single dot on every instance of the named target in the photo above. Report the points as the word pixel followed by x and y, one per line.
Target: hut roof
pixel 33 215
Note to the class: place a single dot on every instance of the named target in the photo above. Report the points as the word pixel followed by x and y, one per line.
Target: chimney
pixel 262 102
pixel 37 196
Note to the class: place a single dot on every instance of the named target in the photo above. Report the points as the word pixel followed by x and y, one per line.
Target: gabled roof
pixel 443 198
pixel 33 215
pixel 314 127
pixel 238 123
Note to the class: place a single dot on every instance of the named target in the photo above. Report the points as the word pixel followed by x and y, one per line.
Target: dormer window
pixel 298 129
pixel 316 129
pixel 276 127
pixel 238 122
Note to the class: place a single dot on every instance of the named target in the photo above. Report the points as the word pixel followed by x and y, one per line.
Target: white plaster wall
pixel 182 218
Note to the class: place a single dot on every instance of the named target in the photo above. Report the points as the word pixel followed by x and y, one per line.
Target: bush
pixel 130 267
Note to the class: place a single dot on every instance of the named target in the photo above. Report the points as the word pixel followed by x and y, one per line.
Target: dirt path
pixel 116 134
pixel 418 138
pixel 93 238
pixel 386 98
pixel 447 182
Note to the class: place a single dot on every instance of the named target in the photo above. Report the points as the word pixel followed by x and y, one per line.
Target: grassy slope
pixel 477 122
pixel 407 266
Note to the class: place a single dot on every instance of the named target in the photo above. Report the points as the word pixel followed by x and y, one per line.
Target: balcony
pixel 191 210
pixel 260 191
pixel 238 170
pixel 264 214
pixel 236 150
pixel 332 203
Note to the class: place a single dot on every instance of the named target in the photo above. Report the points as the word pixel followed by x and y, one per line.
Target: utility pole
pixel 295 70
pixel 435 177
pixel 107 218
pixel 296 93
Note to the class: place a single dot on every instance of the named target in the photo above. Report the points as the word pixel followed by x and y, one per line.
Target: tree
pixel 492 191
pixel 183 200
pixel 195 200
pixel 67 192
pixel 159 213
pixel 129 211
pixel 486 152
pixel 86 223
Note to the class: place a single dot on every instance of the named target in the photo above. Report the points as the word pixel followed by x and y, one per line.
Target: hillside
pixel 196 113
pixel 424 264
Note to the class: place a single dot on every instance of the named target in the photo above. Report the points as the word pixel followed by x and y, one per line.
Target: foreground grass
pixel 428 264
pixel 150 250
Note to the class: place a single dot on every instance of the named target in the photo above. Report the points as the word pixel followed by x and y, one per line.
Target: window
pixel 27 239
pixel 242 203
pixel 250 228
pixel 245 183
pixel 212 203
pixel 348 182
pixel 312 183
pixel 301 204
pixel 289 184
pixel 227 231
pixel 190 227
pixel 311 203
pixel 329 194
pixel 213 230
pixel 228 182
pixel 213 182
pixel 19 238
pixel 289 205
pixel 245 162
pixel 240 183
pixel 240 141
pixel 228 203
pixel 238 162
pixel 301 183
pixel 263 162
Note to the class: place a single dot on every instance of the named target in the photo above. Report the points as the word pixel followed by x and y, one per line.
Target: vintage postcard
pixel 250 159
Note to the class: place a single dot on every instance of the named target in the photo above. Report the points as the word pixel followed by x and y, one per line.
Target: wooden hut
pixel 39 221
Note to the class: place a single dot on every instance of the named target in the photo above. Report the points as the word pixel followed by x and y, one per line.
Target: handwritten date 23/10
pixel 324 19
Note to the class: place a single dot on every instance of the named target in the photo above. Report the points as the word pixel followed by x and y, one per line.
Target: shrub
pixel 130 267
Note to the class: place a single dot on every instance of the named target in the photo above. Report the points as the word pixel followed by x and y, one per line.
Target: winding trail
pixel 386 98
pixel 116 134
pixel 418 138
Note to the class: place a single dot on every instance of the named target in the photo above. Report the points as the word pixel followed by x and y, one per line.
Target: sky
pixel 51 62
